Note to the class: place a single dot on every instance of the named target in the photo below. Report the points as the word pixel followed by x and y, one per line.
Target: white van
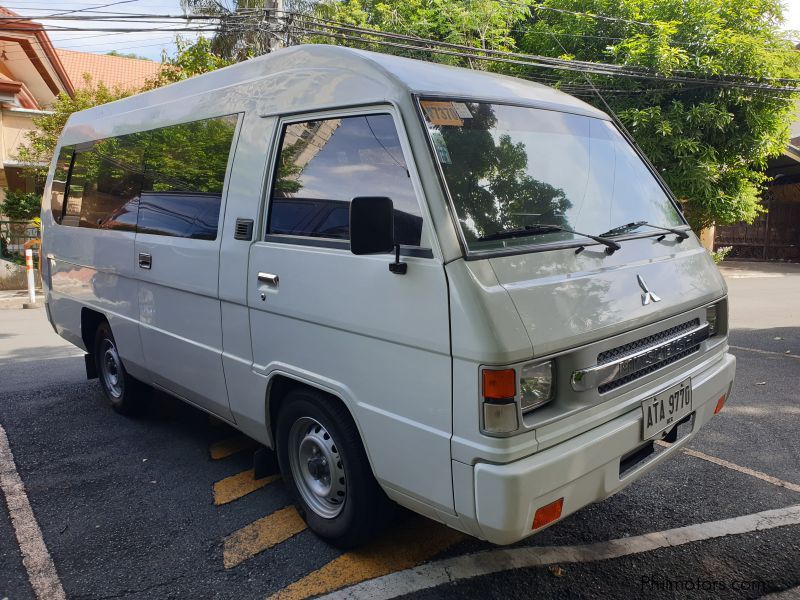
pixel 372 265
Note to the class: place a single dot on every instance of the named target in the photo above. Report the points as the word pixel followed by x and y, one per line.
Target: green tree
pixel 20 206
pixel 710 143
pixel 190 59
pixel 481 24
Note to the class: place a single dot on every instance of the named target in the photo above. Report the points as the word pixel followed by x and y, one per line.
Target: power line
pixel 306 24
pixel 69 12
pixel 571 62
pixel 520 59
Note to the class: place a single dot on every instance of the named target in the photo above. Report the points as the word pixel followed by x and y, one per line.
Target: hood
pixel 566 299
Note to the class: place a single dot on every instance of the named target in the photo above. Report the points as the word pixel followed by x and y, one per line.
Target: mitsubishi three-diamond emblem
pixel 647 296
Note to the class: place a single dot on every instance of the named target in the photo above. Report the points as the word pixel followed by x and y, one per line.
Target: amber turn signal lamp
pixel 547 513
pixel 720 404
pixel 499 384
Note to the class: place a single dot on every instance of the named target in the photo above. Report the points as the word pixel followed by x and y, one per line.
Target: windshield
pixel 510 168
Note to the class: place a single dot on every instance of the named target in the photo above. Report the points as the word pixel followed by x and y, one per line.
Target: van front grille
pixel 644 343
pixel 607 387
pixel 631 348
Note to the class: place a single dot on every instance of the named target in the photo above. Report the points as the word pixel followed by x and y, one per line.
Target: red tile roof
pixel 113 71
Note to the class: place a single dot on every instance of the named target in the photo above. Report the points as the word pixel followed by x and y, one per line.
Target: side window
pixel 59 184
pixel 166 181
pixel 179 214
pixel 184 172
pixel 324 164
pixel 104 184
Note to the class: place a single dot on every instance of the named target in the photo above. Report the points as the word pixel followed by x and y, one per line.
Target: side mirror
pixel 372 229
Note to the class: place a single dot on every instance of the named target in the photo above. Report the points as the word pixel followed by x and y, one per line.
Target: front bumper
pixel 583 469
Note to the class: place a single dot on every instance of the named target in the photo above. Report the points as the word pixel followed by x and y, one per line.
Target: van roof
pixel 326 75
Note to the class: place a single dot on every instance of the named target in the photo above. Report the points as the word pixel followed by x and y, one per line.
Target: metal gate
pixel 774 235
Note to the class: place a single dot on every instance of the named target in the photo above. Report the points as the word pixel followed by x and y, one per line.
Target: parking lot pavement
pixel 165 506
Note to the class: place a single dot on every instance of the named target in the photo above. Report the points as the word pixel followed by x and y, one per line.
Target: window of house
pixel 324 164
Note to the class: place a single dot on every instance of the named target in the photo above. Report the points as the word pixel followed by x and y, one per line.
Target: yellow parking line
pixel 234 487
pixel 261 535
pixel 396 550
pixel 231 446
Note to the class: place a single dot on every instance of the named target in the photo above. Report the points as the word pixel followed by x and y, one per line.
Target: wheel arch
pixel 278 387
pixel 90 320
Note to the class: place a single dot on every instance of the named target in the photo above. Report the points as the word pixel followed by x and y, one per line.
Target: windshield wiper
pixel 611 245
pixel 682 235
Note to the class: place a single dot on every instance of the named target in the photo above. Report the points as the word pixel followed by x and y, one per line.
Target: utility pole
pixel 275 21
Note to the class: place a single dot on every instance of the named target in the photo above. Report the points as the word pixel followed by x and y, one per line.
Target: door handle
pixel 145 260
pixel 269 279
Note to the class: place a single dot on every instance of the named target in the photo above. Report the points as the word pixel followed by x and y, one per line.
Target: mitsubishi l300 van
pixel 464 293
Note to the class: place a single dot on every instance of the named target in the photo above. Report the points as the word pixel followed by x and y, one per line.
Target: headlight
pixel 717 317
pixel 511 392
pixel 711 317
pixel 535 385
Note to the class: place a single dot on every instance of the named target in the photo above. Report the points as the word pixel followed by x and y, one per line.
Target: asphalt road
pixel 163 507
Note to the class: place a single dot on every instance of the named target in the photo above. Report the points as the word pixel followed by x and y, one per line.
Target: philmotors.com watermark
pixel 658 583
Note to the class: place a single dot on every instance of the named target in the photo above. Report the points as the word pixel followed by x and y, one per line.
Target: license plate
pixel 666 408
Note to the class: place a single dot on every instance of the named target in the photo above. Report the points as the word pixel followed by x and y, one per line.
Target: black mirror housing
pixel 371 225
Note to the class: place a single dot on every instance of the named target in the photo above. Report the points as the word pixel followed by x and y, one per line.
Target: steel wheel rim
pixel 111 369
pixel 317 467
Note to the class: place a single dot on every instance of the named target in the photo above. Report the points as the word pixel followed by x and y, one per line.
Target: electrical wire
pixel 523 60
pixel 309 25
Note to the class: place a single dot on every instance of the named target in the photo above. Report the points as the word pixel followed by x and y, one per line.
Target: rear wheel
pixel 325 467
pixel 126 394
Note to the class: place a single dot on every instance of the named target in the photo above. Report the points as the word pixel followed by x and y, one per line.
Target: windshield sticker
pixel 441 147
pixel 442 113
pixel 462 110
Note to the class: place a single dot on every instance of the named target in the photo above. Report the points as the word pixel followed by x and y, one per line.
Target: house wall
pixel 14 124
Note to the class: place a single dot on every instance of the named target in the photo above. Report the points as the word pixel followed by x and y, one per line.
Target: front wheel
pixel 323 462
pixel 127 395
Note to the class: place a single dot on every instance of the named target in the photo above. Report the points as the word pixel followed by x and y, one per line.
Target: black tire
pixel 365 509
pixel 127 395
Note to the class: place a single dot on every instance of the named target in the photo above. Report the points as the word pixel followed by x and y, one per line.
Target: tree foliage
pixel 20 206
pixel 190 59
pixel 481 24
pixel 710 143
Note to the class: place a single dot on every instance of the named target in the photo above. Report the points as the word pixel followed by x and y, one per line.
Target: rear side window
pixel 179 214
pixel 165 181
pixel 184 172
pixel 105 181
pixel 59 184
pixel 324 164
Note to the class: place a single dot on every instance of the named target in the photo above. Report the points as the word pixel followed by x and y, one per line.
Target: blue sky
pixel 144 43
pixel 150 43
